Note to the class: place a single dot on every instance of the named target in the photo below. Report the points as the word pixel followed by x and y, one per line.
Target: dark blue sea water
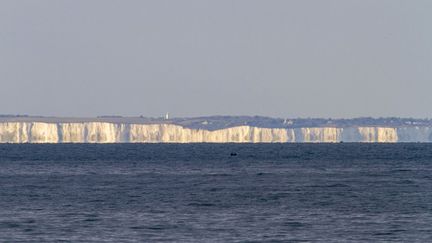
pixel 200 193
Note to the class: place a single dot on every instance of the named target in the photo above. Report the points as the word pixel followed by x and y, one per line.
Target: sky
pixel 287 58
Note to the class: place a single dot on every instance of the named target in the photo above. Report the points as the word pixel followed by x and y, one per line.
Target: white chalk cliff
pixel 105 132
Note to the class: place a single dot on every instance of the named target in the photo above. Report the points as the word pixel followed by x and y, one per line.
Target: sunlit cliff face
pixel 103 132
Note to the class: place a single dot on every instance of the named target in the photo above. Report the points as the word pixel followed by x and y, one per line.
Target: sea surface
pixel 216 193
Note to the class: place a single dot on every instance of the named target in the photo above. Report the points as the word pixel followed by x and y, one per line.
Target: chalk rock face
pixel 102 132
pixel 378 134
pixel 320 134
pixel 13 132
pixel 43 133
pixel 72 132
pixel 105 132
pixel 140 133
pixel 414 134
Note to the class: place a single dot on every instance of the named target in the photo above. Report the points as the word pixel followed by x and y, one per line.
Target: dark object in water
pixel 233 154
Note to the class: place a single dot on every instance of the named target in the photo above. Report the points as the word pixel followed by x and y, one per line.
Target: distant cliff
pixel 117 132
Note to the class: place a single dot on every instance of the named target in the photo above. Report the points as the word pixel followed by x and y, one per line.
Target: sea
pixel 347 192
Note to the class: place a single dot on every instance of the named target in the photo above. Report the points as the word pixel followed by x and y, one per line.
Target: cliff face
pixel 104 132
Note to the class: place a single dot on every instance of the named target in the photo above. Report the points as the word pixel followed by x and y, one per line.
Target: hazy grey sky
pixel 304 58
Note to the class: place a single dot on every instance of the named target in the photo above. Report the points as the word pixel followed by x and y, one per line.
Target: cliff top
pixel 219 122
